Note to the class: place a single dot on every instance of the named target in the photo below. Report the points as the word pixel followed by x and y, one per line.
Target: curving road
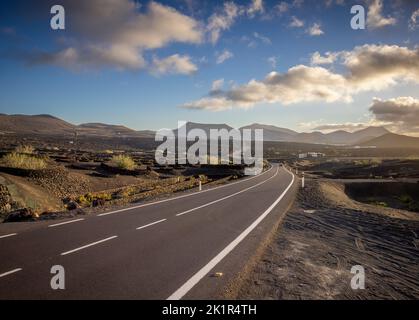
pixel 161 250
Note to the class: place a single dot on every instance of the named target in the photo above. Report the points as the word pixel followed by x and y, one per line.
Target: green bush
pixel 367 162
pixel 88 198
pixel 103 196
pixel 381 204
pixel 23 161
pixel 123 162
pixel 405 198
pixel 83 200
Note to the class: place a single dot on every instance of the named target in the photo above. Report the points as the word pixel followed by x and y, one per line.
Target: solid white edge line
pixel 8 235
pixel 88 245
pixel 63 223
pixel 183 196
pixel 185 288
pixel 229 196
pixel 151 224
pixel 10 272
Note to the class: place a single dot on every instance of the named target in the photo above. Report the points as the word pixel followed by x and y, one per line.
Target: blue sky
pixel 149 84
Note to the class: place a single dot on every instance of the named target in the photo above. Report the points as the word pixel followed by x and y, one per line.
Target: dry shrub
pixel 25 149
pixel 123 162
pixel 23 161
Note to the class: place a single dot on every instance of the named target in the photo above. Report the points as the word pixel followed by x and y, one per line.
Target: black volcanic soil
pixel 399 195
pixel 323 236
pixel 367 168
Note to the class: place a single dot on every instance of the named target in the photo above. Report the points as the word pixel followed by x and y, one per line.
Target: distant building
pixel 316 154
pixel 311 155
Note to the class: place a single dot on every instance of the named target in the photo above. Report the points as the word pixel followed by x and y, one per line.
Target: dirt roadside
pixel 326 233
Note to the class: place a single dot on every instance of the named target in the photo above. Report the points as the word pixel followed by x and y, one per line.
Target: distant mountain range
pixel 273 133
pixel 49 125
pixel 392 140
pixel 205 127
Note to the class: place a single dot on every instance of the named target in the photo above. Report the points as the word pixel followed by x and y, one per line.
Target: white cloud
pixel 114 33
pixel 174 64
pixel 297 3
pixel 256 6
pixel 366 68
pixel 224 56
pixel 209 103
pixel 255 39
pixel 262 38
pixel 299 84
pixel 282 7
pixel 375 18
pixel 414 20
pixel 296 23
pixel 328 58
pixel 348 126
pixel 217 85
pixel 203 60
pixel 315 30
pixel 376 67
pixel 94 56
pixel 401 113
pixel 222 20
pixel 250 41
pixel 273 62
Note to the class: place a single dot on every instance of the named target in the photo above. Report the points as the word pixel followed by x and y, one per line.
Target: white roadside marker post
pixel 302 181
pixel 200 185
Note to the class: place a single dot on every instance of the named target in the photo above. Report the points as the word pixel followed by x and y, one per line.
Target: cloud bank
pixel 366 68
pixel 174 64
pixel 375 19
pixel 401 113
pixel 116 33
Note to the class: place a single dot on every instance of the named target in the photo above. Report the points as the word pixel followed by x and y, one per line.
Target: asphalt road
pixel 165 249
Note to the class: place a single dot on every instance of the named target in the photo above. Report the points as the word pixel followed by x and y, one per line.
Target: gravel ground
pixel 323 236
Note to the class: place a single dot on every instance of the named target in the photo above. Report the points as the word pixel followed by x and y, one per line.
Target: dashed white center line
pixel 8 235
pixel 10 272
pixel 183 196
pixel 188 285
pixel 88 245
pixel 63 223
pixel 229 196
pixel 150 224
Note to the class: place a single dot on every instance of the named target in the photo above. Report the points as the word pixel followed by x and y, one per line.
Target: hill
pixel 272 133
pixel 341 137
pixel 34 124
pixel 45 124
pixel 392 140
pixel 49 125
pixel 203 126
pixel 109 130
